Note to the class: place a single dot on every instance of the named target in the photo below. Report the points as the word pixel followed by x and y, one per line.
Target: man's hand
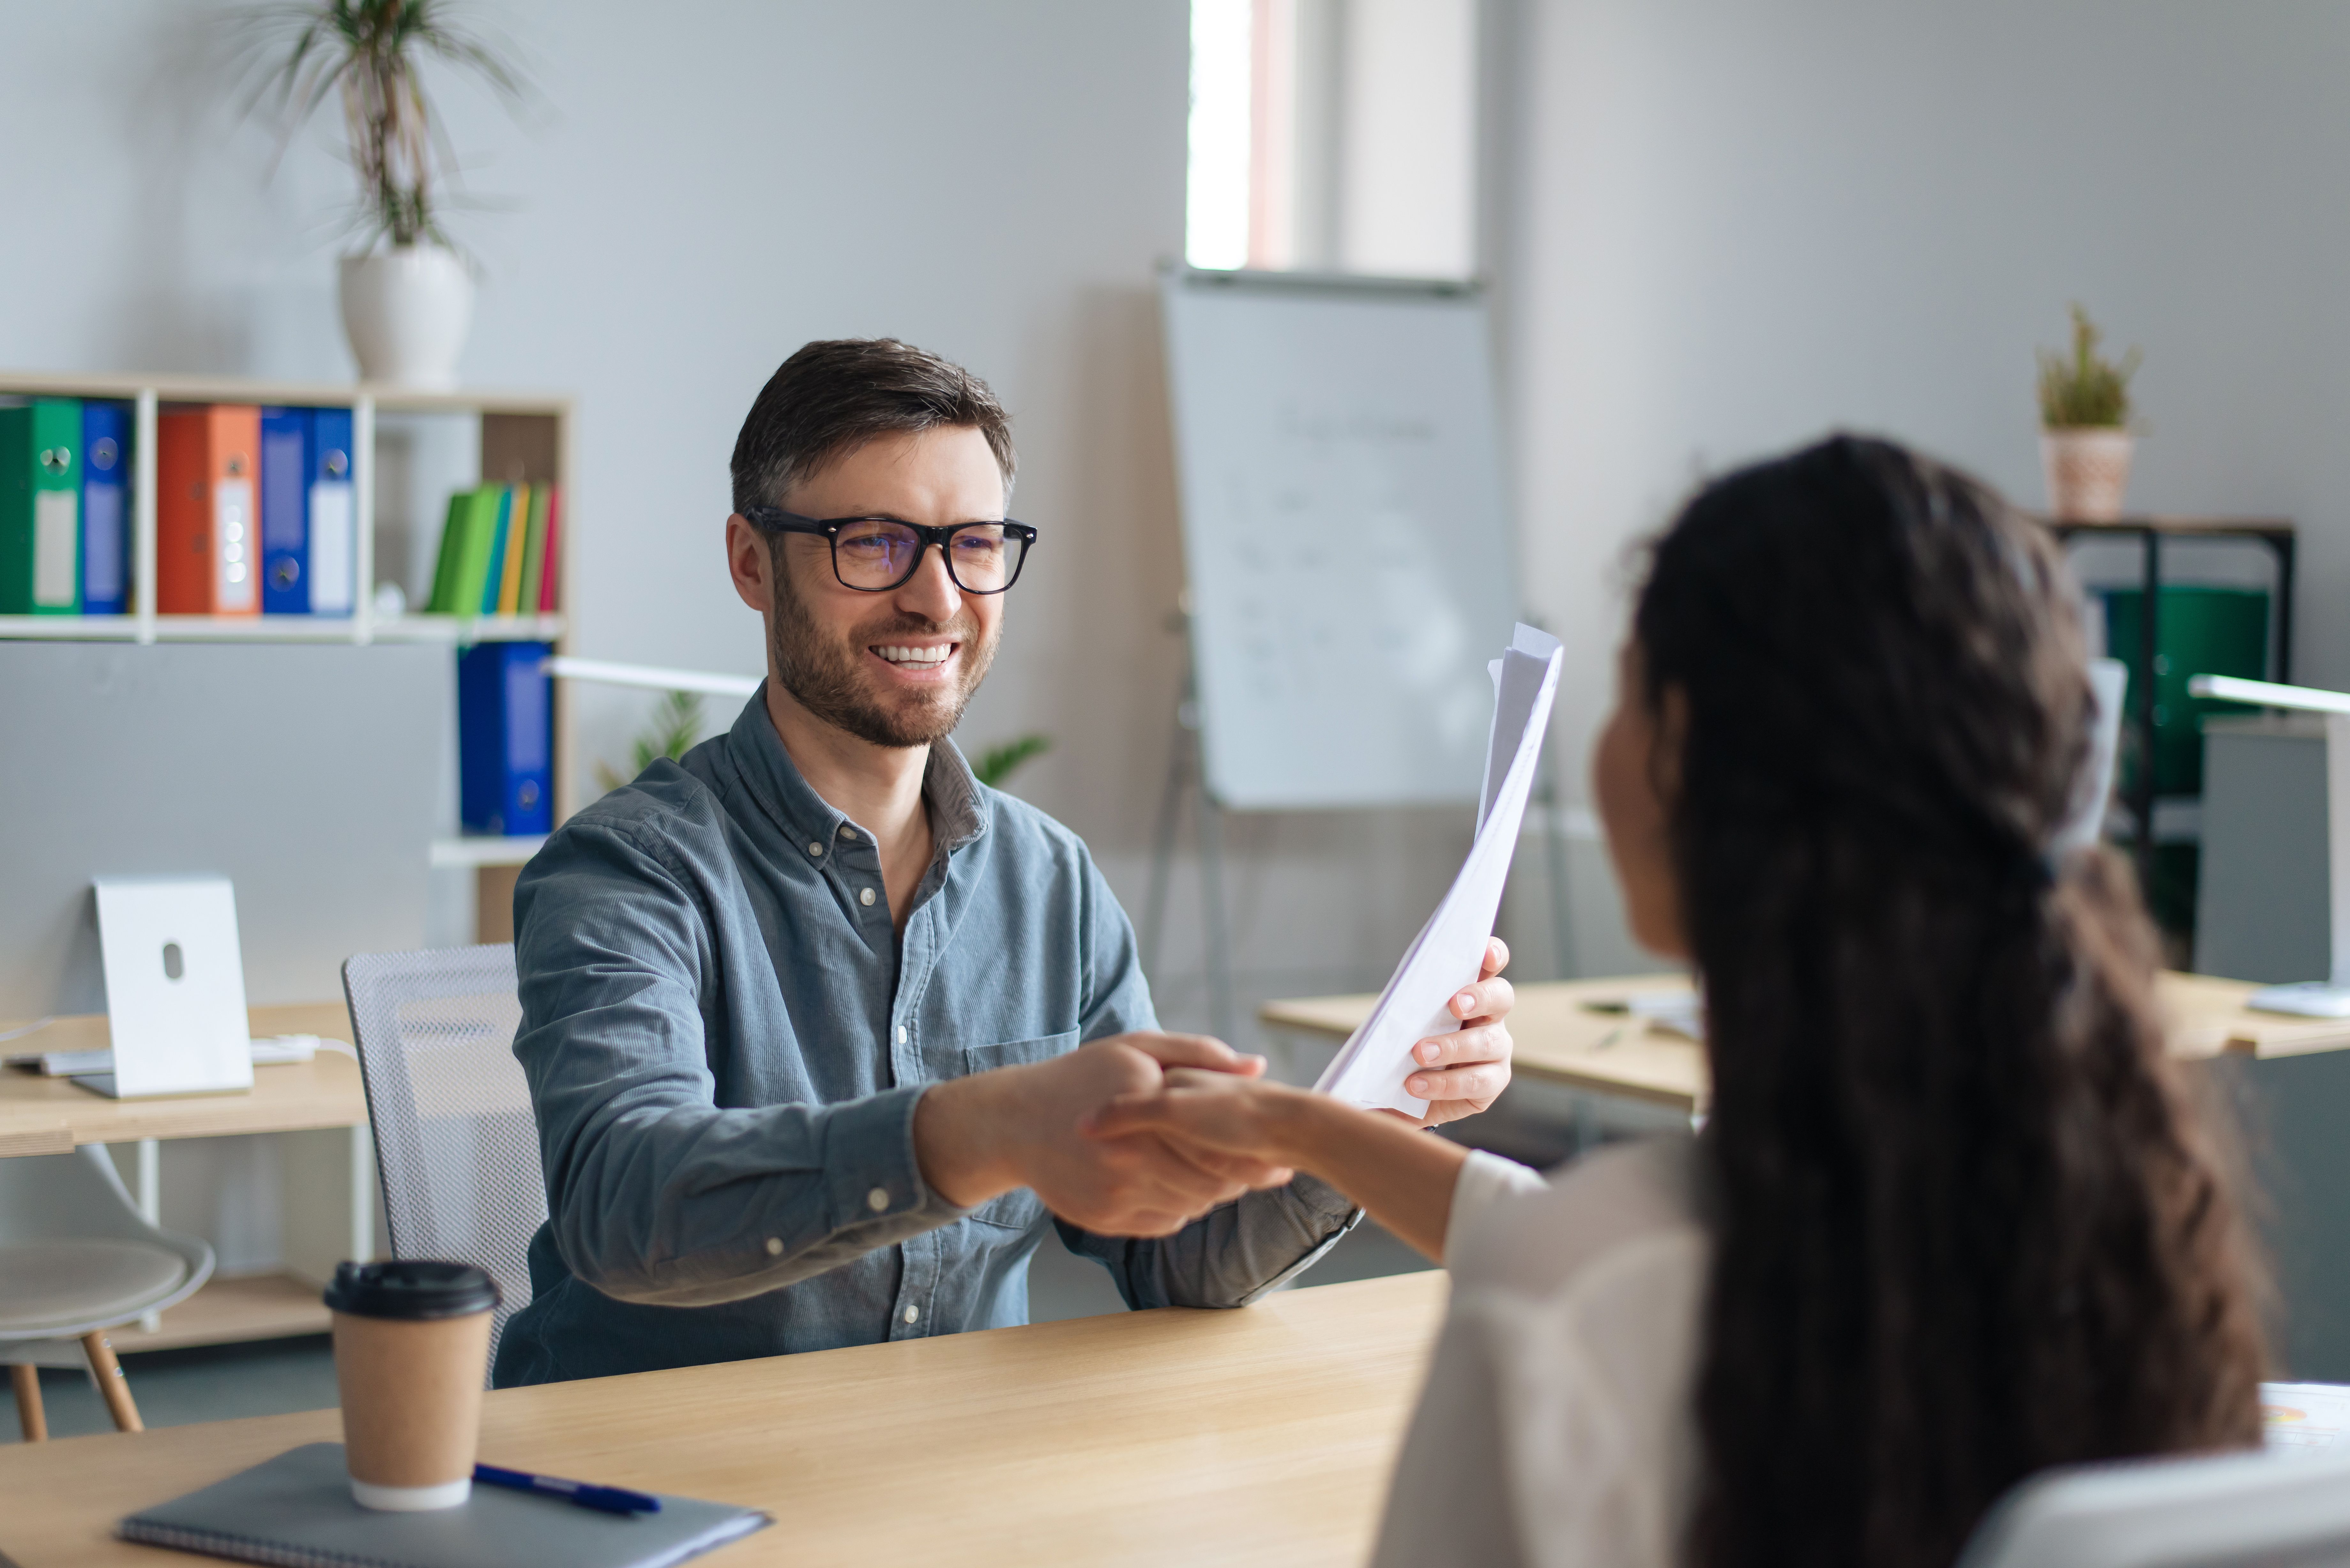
pixel 1017 1126
pixel 1464 1073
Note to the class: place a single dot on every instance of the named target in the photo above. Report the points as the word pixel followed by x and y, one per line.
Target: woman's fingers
pixel 1497 957
pixel 1488 999
pixel 1465 1047
pixel 1477 1084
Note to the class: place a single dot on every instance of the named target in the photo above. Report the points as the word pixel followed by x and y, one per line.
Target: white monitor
pixel 174 987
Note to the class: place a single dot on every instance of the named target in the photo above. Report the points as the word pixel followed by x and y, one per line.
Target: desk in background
pixel 330 1194
pixel 1261 1435
pixel 1564 1045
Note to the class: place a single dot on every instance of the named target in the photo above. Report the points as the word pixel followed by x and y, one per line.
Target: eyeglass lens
pixel 981 559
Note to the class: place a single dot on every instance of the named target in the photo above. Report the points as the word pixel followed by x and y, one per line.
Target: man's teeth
pixel 922 657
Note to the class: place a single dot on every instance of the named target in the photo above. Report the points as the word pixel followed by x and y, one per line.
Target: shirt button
pixel 901 1034
pixel 815 847
pixel 774 1246
pixel 878 1199
pixel 913 1314
pixel 865 896
pixel 848 833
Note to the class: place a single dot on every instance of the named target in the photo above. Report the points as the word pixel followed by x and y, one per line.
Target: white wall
pixel 1734 227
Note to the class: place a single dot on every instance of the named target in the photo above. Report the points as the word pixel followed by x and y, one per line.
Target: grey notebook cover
pixel 297 1509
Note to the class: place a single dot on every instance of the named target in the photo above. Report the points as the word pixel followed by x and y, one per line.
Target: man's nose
pixel 931 592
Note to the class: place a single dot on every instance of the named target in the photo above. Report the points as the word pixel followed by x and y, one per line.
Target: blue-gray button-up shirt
pixel 726 1038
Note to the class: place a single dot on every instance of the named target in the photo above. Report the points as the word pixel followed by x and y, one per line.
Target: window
pixel 1333 136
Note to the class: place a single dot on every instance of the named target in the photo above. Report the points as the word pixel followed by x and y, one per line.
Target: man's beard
pixel 828 679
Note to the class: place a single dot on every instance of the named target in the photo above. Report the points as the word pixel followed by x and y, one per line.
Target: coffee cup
pixel 411 1350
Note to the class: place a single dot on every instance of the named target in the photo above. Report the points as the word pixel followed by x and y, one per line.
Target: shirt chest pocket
pixel 1018 1209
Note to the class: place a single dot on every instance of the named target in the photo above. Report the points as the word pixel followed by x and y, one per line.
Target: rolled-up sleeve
pixel 655 1193
pixel 1230 1255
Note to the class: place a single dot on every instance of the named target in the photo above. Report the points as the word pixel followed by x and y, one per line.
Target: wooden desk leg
pixel 110 1384
pixel 150 1206
pixel 30 1416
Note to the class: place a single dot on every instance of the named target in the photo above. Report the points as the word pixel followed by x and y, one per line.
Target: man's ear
pixel 751 563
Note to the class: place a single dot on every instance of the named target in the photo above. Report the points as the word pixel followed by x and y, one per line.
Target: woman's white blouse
pixel 1556 1427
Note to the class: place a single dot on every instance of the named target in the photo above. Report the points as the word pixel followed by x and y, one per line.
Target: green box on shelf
pixel 2204 631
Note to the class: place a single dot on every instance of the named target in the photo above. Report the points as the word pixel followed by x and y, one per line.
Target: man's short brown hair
pixel 835 395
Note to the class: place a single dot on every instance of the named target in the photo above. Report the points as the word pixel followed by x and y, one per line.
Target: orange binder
pixel 207 510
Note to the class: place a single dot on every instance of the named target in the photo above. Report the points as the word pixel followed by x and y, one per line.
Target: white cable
pixel 27 1028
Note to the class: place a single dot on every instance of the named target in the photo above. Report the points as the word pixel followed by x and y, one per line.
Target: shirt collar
pixel 959 809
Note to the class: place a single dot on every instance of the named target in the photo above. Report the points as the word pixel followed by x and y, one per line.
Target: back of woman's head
pixel 1968 1227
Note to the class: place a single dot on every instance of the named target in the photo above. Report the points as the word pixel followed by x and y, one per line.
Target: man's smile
pixel 919 660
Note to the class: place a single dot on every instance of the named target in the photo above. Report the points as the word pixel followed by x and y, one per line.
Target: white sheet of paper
pixel 2304 1415
pixel 1370 1070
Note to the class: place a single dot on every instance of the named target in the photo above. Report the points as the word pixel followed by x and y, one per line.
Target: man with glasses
pixel 811 1018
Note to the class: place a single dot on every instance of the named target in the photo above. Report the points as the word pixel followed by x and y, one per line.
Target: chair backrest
pixel 455 1142
pixel 2223 1510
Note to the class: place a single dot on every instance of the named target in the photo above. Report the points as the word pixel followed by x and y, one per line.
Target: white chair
pixel 457 1143
pixel 2224 1511
pixel 77 1258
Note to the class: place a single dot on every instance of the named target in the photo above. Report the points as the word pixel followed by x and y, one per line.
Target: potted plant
pixel 407 293
pixel 2085 442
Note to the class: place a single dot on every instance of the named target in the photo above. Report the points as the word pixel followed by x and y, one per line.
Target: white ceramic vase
pixel 406 311
pixel 2088 469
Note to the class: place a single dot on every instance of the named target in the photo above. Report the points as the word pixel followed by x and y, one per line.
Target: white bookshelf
pixel 524 436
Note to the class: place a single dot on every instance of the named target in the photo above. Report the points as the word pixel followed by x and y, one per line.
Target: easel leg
pixel 1220 1015
pixel 1162 854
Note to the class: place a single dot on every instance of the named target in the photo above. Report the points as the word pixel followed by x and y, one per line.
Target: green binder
pixel 468 546
pixel 41 507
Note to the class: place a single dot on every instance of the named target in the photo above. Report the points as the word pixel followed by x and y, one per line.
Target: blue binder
pixel 284 511
pixel 105 508
pixel 506 739
pixel 333 513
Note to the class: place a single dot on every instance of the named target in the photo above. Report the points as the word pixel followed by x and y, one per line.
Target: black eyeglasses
pixel 875 555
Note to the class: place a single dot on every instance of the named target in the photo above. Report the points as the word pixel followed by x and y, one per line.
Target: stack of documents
pixel 1370 1070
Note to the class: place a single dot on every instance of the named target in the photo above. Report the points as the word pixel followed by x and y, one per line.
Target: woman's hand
pixel 1222 1115
pixel 1464 1073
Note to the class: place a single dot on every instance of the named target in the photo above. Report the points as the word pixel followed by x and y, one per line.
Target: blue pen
pixel 602 1498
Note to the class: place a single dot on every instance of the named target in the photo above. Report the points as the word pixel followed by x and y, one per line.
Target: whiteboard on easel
pixel 1347 548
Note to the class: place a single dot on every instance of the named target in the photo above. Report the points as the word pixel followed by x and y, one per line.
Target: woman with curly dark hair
pixel 1952 1217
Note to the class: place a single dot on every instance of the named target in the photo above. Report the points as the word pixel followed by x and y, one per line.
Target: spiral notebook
pixel 297 1511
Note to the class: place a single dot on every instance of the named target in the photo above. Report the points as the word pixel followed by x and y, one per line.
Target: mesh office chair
pixel 455 1143
pixel 2223 1510
pixel 77 1258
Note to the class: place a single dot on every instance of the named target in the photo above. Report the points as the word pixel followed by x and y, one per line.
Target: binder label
pixel 101 573
pixel 233 516
pixel 332 530
pixel 57 547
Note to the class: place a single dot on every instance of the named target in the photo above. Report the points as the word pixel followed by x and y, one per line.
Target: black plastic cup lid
pixel 413 1289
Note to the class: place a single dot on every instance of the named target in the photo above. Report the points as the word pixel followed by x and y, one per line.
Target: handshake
pixel 1139 1135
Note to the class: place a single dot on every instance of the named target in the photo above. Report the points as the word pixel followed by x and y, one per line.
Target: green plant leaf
pixel 992 766
pixel 674 730
pixel 2084 389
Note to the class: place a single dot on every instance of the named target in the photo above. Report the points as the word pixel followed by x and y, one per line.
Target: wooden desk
pixel 1562 1042
pixel 329 1203
pixel 1182 1437
pixel 50 1116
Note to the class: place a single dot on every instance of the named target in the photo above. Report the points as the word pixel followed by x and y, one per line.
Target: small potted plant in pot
pixel 2085 441
pixel 406 294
